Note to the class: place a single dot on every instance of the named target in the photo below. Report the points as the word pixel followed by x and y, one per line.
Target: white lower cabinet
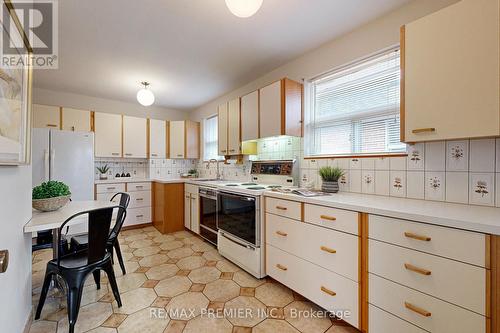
pixel 191 208
pixel 380 321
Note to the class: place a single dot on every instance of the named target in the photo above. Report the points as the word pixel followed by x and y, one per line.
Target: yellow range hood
pixel 249 148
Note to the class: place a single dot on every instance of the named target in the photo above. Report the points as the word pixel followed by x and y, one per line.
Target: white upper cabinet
pixel 157 138
pixel 280 109
pixel 450 73
pixel 46 116
pixel 108 135
pixel 233 127
pixel 134 137
pixel 76 120
pixel 250 116
pixel 222 127
pixel 176 139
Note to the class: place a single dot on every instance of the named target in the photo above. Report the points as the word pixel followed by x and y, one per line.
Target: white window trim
pixel 205 159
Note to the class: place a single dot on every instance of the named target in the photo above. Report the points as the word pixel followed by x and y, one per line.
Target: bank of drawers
pixel 317 257
pixel 430 276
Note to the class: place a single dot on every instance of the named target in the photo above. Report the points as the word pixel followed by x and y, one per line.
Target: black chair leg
pixel 119 255
pixel 43 294
pixel 97 278
pixel 74 298
pixel 108 268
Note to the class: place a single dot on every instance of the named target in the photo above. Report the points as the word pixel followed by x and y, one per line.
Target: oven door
pixel 208 215
pixel 238 215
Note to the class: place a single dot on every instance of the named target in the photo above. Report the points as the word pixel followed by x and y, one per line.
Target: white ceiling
pixel 191 51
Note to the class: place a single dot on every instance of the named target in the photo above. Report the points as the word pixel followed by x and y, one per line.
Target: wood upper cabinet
pixel 176 139
pixel 108 135
pixel 134 137
pixel 233 127
pixel 184 139
pixel 280 109
pixel 76 120
pixel 46 116
pixel 250 116
pixel 450 73
pixel 222 128
pixel 157 138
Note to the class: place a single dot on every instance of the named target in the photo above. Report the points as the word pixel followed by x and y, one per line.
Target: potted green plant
pixel 103 172
pixel 50 196
pixel 330 176
pixel 193 173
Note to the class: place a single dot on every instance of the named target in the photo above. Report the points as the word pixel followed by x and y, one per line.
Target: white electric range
pixel 233 211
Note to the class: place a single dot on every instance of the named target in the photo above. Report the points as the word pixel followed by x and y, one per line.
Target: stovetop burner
pixel 231 184
pixel 256 188
pixel 249 184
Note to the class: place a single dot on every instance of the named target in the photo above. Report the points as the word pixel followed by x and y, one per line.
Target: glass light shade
pixel 145 97
pixel 244 8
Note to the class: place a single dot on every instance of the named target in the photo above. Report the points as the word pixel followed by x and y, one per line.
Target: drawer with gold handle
pixel 417 309
pixel 281 208
pixel 286 208
pixel 327 249
pixel 328 218
pixel 281 233
pixel 332 218
pixel 328 291
pixel 417 237
pixel 280 266
pixel 417 269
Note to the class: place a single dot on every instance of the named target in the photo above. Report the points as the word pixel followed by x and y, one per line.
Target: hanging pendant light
pixel 244 8
pixel 145 96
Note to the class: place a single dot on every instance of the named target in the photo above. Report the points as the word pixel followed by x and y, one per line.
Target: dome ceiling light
pixel 244 8
pixel 145 96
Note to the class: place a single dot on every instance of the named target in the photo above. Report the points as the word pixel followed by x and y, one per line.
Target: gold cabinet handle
pixel 281 233
pixel 423 130
pixel 154 155
pixel 51 125
pixel 327 249
pixel 139 186
pixel 283 268
pixel 417 309
pixel 232 150
pixel 417 269
pixel 139 216
pixel 115 154
pixel 110 188
pixel 417 237
pixel 281 208
pixel 139 199
pixel 328 291
pixel 128 154
pixel 329 218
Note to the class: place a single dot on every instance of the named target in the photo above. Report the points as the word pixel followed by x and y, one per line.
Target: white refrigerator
pixel 65 156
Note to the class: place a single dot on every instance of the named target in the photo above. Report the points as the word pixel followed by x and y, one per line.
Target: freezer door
pixel 40 155
pixel 72 162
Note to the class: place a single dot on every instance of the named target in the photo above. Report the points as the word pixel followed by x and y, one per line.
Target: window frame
pixel 218 158
pixel 310 133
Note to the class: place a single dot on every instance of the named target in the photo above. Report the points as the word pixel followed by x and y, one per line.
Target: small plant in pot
pixel 50 196
pixel 330 177
pixel 103 172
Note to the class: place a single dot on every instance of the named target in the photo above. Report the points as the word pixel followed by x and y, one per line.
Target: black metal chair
pixel 80 242
pixel 74 268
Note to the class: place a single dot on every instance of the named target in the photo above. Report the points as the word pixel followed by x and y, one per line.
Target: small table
pixel 53 220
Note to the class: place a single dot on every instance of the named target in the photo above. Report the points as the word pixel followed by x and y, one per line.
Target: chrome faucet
pixel 217 164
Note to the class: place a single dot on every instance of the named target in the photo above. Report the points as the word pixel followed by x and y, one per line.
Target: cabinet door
pixel 108 135
pixel 233 128
pixel 195 213
pixel 250 116
pixel 46 116
pixel 187 210
pixel 270 110
pixel 176 139
pixel 157 138
pixel 450 73
pixel 75 120
pixel 192 139
pixel 134 137
pixel 222 128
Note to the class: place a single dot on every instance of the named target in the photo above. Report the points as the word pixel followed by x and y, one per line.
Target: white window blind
pixel 210 149
pixel 355 110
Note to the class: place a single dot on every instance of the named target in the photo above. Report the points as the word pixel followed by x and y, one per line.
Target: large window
pixel 210 148
pixel 355 110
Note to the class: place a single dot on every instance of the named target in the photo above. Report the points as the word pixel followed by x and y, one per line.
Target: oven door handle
pixel 236 242
pixel 238 196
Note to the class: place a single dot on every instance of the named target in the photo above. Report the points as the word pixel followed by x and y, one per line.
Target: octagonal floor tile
pixel 146 251
pixel 89 317
pixel 153 260
pixel 212 255
pixel 135 300
pixel 245 304
pixel 207 324
pixel 180 253
pixel 136 237
pixel 173 286
pixel 246 280
pixel 204 274
pixel 306 323
pixel 274 325
pixel 202 246
pixel 221 290
pixel 274 294
pixel 162 271
pixel 186 306
pixel 43 326
pixel 191 263
pixel 227 266
pixel 163 238
pixel 143 321
pixel 130 281
pixel 140 243
pixel 171 245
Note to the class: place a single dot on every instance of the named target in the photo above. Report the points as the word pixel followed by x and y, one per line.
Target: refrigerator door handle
pixel 51 162
pixel 46 165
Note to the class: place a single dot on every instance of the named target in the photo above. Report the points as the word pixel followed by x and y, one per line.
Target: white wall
pixel 77 101
pixel 368 39
pixel 15 284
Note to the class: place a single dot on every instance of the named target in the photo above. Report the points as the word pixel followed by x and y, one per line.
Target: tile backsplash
pixel 461 171
pixel 136 167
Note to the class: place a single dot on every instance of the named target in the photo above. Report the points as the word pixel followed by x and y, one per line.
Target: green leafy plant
pixel 330 174
pixel 193 172
pixel 50 189
pixel 103 169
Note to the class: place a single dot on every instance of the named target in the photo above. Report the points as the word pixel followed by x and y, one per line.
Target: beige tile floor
pixel 179 283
